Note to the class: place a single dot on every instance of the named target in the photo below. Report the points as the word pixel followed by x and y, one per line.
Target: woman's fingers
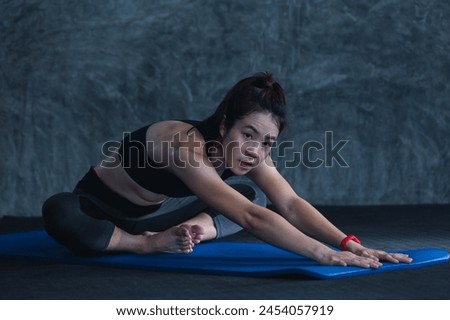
pixel 350 259
pixel 387 257
pixel 367 263
pixel 366 258
pixel 337 261
pixel 393 257
pixel 401 257
pixel 381 255
pixel 369 254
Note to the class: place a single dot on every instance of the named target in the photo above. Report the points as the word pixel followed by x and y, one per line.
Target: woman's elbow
pixel 252 218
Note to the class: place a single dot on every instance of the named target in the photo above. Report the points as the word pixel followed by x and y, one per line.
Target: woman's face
pixel 248 142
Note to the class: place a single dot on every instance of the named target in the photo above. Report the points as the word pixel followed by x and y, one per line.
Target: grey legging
pixel 84 222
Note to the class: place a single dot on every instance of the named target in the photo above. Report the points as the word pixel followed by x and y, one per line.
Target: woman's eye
pixel 247 135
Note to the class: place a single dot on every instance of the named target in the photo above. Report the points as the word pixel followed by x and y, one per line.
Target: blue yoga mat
pixel 226 258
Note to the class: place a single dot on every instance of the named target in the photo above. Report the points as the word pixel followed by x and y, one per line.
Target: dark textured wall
pixel 74 74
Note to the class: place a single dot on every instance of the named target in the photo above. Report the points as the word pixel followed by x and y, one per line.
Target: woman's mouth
pixel 245 165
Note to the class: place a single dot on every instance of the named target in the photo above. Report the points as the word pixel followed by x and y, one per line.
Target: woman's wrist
pixel 349 243
pixel 322 254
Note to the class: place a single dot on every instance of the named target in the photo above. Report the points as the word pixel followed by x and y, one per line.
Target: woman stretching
pixel 172 184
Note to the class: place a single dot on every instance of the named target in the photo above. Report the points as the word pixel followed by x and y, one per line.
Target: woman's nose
pixel 251 151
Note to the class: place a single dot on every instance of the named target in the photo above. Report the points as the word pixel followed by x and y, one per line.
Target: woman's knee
pixel 251 191
pixel 224 226
pixel 55 210
pixel 65 221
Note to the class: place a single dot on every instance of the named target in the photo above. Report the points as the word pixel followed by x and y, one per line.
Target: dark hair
pixel 257 93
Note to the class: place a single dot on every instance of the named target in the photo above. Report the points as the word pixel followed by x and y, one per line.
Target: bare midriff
pixel 117 179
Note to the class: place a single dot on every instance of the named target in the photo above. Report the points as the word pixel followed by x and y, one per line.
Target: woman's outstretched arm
pixel 306 218
pixel 265 224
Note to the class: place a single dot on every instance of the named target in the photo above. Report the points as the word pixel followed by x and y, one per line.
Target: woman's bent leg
pixel 66 222
pixel 177 226
pixel 79 225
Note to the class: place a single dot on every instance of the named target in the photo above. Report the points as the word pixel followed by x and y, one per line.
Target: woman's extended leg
pixel 225 227
pixel 177 239
pixel 203 223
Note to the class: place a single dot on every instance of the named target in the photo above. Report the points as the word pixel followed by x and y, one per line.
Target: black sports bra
pixel 146 173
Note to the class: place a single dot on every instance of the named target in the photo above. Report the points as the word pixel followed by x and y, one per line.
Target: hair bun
pixel 264 80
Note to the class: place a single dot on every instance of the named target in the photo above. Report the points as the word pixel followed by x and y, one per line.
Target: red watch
pixel 348 238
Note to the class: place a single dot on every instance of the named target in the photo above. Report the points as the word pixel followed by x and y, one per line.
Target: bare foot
pixel 197 233
pixel 178 239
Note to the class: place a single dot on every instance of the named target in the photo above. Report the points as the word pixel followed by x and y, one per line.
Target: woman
pixel 173 184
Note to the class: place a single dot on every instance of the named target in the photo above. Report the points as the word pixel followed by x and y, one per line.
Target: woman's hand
pixel 362 257
pixel 382 255
pixel 377 255
pixel 347 258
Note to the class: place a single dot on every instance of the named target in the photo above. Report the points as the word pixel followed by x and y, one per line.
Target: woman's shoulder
pixel 173 130
pixel 168 125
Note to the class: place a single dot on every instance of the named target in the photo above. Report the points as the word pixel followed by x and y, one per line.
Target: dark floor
pixel 383 227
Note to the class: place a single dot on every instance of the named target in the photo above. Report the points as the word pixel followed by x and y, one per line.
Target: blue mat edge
pixel 338 272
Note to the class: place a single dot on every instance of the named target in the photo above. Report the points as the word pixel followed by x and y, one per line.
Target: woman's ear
pixel 222 128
